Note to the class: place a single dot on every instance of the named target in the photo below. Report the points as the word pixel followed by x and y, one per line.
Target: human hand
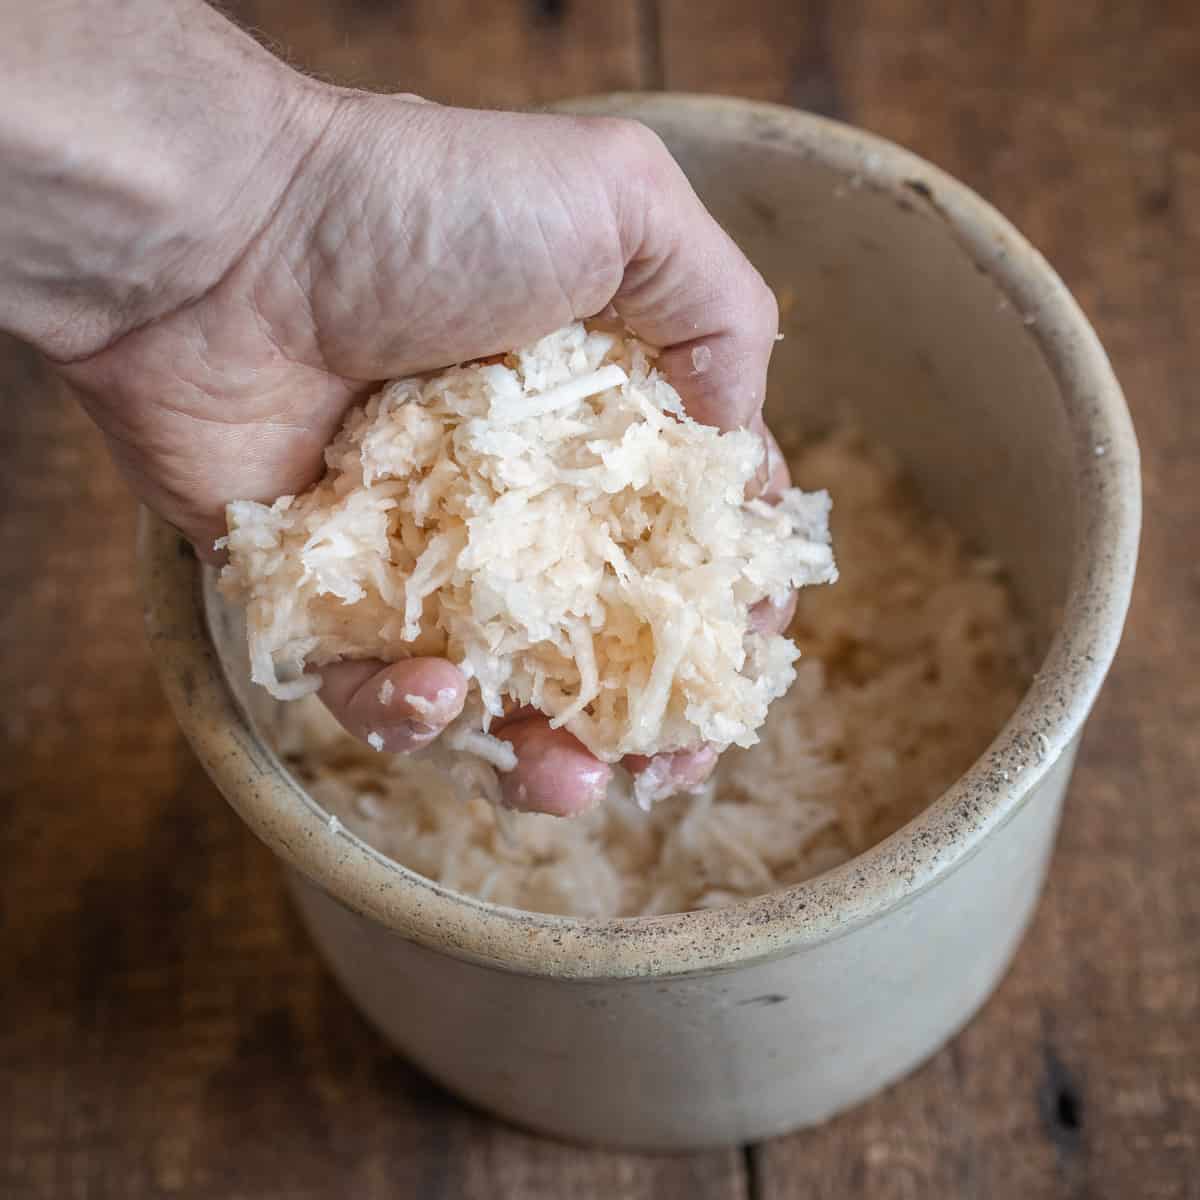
pixel 372 237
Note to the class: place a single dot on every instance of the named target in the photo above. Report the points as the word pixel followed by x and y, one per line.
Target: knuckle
pixel 628 146
pixel 638 175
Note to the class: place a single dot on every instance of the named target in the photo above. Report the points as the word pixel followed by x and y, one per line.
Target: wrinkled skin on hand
pixel 387 236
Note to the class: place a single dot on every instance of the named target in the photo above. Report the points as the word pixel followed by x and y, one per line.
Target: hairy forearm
pixel 141 144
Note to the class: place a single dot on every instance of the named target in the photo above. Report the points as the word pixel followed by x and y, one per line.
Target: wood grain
pixel 1080 122
pixel 165 1027
pixel 165 1030
pixel 499 53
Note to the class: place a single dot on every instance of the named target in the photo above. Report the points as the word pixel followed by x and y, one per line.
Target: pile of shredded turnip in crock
pixel 555 525
pixel 912 662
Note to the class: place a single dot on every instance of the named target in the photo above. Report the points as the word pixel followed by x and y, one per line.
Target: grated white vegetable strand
pixel 559 528
pixel 913 661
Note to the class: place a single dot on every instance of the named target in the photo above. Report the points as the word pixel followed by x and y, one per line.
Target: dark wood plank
pixel 1082 1076
pixel 501 53
pixel 165 1028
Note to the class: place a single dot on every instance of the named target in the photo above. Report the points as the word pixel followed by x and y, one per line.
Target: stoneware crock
pixel 912 307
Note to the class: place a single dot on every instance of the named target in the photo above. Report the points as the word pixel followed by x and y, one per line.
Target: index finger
pixel 688 288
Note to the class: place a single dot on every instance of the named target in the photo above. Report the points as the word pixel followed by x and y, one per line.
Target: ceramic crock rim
pixel 1043 727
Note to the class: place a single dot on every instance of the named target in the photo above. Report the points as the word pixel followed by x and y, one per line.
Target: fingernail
pixel 413 731
pixel 439 711
pixel 691 768
pixel 764 615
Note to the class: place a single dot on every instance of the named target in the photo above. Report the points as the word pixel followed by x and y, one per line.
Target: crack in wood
pixel 752 1168
pixel 651 65
pixel 549 12
pixel 1060 1103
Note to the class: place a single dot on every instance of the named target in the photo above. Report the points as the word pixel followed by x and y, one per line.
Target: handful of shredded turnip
pixel 556 526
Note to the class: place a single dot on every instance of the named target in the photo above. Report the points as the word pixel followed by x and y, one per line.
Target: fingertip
pixel 721 382
pixel 666 775
pixel 397 707
pixel 431 688
pixel 691 768
pixel 554 774
pixel 767 617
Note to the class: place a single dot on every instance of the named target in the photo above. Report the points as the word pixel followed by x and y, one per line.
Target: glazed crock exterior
pixel 912 308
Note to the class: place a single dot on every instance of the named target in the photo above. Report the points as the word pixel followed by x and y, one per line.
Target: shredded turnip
pixel 558 527
pixel 912 663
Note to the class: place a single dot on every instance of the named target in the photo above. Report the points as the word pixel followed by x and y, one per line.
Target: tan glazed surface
pixel 920 313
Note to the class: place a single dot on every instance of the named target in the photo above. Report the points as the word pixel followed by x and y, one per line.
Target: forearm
pixel 141 143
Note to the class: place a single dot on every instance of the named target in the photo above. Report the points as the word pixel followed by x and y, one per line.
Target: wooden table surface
pixel 165 1029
